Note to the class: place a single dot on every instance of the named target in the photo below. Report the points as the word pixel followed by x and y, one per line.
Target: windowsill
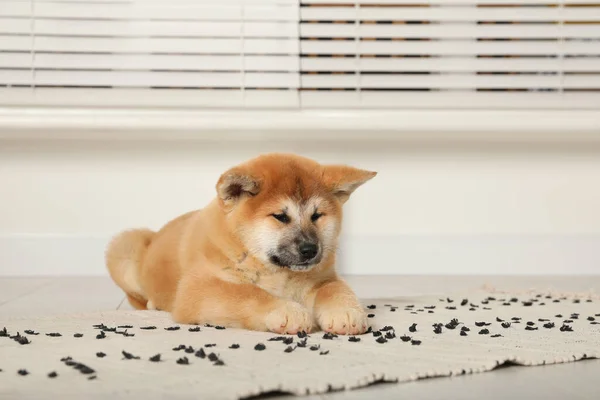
pixel 315 125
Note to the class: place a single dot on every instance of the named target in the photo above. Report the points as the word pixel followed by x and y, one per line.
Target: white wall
pixel 443 208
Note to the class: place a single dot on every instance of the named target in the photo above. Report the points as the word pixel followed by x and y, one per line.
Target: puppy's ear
pixel 343 180
pixel 235 185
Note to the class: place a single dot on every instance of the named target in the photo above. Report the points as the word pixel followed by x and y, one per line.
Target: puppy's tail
pixel 124 258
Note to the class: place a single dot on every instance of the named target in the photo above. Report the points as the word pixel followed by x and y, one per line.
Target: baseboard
pixel 51 255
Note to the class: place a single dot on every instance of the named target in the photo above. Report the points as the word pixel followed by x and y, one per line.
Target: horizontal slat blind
pixel 450 53
pixel 527 54
pixel 202 53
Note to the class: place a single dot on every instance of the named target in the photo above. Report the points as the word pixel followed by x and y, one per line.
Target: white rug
pixel 550 329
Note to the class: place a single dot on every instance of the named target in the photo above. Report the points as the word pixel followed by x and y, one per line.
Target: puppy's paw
pixel 290 318
pixel 343 320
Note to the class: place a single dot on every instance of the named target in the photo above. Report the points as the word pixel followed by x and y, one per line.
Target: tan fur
pixel 216 265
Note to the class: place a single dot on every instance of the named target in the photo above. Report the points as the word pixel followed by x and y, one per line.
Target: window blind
pixel 451 53
pixel 218 53
pixel 307 54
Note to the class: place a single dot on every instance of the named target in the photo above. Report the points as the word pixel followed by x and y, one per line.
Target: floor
pixel 56 295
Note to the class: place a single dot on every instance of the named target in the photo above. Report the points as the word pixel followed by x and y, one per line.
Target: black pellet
pixel 172 328
pixel 450 308
pixel 289 349
pixel 473 305
pixel 506 324
pixel 549 325
pixel 23 372
pixel 194 329
pixel 219 362
pixel 219 327
pixel 506 304
pixel 376 333
pixel 480 324
pixel 288 340
pixel 463 333
pixel 155 358
pixel 389 335
pixel 437 329
pixel 183 361
pixel 595 315
pixel 543 320
pixel 189 350
pixel 65 359
pixel 129 356
pixel 148 328
pixel 415 342
pixel 464 302
pixel 514 300
pixel 405 338
pixel 4 333
pixel 484 331
pixel 412 328
pixel 353 339
pixel 208 325
pixel 486 308
pixel 30 332
pixel 370 315
pixel 485 302
pixel 213 357
pixel 100 354
pixel 516 318
pixel 180 347
pixel 558 316
pixel 496 335
pixel 277 339
pixel 22 340
pixel 542 304
pixel 449 300
pixel 568 321
pixel 125 326
pixel 102 335
pixel 527 303
pixel 566 328
pixel 78 335
pixel 472 309
pixel 302 334
pixel 465 329
pixel 315 347
pixel 210 345
pixel 329 336
pixel 531 328
pixel 576 301
pixel 302 343
pixel 234 346
pixel 429 307
pixel 260 347
pixel 530 323
pixel 53 334
pixel 324 353
pixel 372 307
pixel 91 378
pixel 556 301
pixel 52 374
pixel 591 318
pixel 499 319
pixel 381 339
pixel 430 312
pixel 387 328
pixel 201 354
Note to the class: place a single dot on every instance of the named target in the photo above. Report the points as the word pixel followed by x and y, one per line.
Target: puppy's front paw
pixel 290 318
pixel 343 320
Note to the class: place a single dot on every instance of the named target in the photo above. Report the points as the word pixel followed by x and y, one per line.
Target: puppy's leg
pixel 337 309
pixel 237 305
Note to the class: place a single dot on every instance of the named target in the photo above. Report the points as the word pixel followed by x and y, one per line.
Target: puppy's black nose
pixel 308 250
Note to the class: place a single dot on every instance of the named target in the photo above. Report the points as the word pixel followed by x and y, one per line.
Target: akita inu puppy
pixel 260 256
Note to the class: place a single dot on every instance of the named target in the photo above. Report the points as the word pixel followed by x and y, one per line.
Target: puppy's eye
pixel 315 217
pixel 283 217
